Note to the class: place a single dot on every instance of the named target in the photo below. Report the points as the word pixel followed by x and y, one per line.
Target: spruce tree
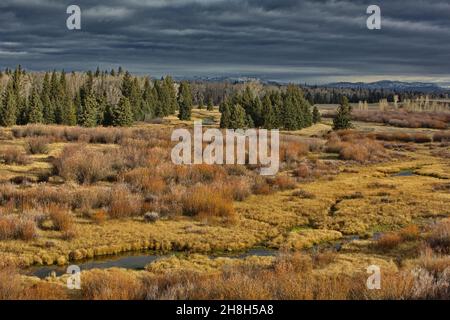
pixel 149 100
pixel 238 118
pixel 185 101
pixel 210 105
pixel 8 107
pixel 268 115
pixel 225 110
pixel 171 95
pixel 122 115
pixel 69 115
pixel 342 120
pixel 316 115
pixel 88 116
pixel 35 108
pixel 48 110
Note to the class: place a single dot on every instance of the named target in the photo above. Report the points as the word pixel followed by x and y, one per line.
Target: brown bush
pixel 410 233
pixel 13 155
pixel 10 284
pixel 302 171
pixel 441 136
pixel 404 137
pixel 433 262
pixel 145 180
pixel 293 150
pixel 362 150
pixel 37 145
pixel 13 227
pixel 61 218
pixel 62 133
pixel 283 182
pixel 236 187
pixel 262 187
pixel 84 165
pixel 99 216
pixel 439 237
pixel 45 291
pixel 404 119
pixel 110 285
pixel 388 241
pixel 200 201
pixel 124 203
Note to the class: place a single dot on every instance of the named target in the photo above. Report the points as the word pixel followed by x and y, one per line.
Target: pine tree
pixel 35 108
pixel 149 100
pixel 69 115
pixel 225 110
pixel 343 116
pixel 268 115
pixel 316 115
pixel 97 72
pixel 171 95
pixel 210 105
pixel 48 110
pixel 185 101
pixel 238 118
pixel 8 107
pixel 88 116
pixel 122 115
pixel 201 104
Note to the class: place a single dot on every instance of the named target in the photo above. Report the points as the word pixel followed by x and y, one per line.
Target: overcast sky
pixel 312 41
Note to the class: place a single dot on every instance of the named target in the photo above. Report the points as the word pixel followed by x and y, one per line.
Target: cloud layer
pixel 290 40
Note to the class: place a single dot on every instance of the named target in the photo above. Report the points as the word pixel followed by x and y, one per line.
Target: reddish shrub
pixel 388 241
pixel 123 203
pixel 38 145
pixel 61 217
pixel 200 201
pixel 13 155
pixel 12 227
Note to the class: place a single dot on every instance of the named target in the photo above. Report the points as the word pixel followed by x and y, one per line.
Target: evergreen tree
pixel 8 107
pixel 201 104
pixel 88 115
pixel 122 115
pixel 316 115
pixel 48 110
pixel 185 101
pixel 69 114
pixel 343 116
pixel 171 95
pixel 237 117
pixel 149 100
pixel 35 108
pixel 210 105
pixel 268 115
pixel 225 114
pixel 97 72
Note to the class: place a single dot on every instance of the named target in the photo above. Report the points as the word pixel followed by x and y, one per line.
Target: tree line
pixel 52 102
pixel 287 110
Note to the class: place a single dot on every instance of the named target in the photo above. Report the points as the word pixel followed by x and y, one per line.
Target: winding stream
pixel 134 261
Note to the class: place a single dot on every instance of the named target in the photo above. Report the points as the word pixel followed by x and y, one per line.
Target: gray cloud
pixel 290 40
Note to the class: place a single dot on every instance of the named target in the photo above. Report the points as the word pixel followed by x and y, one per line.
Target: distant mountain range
pixel 392 85
pixel 384 84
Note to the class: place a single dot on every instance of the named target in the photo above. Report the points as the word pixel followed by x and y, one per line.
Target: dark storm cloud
pixel 291 40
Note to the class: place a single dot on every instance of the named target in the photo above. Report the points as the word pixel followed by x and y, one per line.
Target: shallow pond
pixel 134 261
pixel 404 173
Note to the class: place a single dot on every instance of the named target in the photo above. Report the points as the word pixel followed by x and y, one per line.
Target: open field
pixel 375 195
